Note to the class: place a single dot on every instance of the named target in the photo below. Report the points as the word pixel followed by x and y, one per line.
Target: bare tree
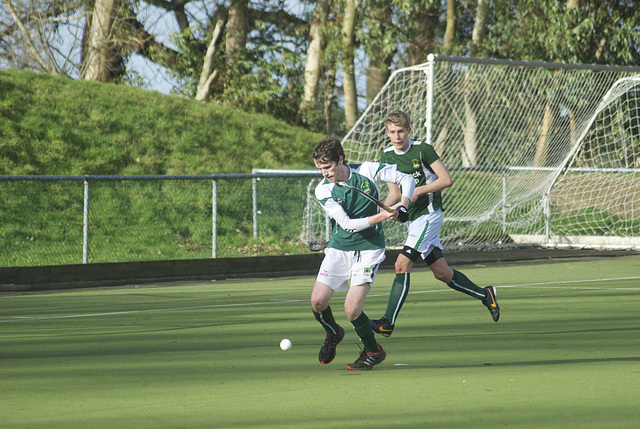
pixel 25 41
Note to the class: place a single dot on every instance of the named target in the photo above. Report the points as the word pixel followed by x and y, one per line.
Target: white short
pixel 339 266
pixel 424 233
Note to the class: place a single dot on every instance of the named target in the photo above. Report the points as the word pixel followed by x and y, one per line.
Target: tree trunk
pixel 449 37
pixel 314 54
pixel 440 143
pixel 379 68
pixel 480 26
pixel 209 74
pixel 450 30
pixel 237 30
pixel 425 26
pixel 329 89
pixel 102 55
pixel 542 148
pixel 377 76
pixel 470 153
pixel 348 65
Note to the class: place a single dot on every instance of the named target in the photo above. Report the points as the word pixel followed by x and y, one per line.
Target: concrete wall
pixel 55 277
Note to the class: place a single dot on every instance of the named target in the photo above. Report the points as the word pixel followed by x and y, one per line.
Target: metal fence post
pixel 214 219
pixel 255 206
pixel 546 201
pixel 504 201
pixel 85 240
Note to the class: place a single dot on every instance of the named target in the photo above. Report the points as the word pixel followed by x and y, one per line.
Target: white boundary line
pixel 535 285
pixel 543 285
pixel 115 313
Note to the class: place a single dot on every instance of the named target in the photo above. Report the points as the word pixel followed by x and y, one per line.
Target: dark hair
pixel 398 118
pixel 327 150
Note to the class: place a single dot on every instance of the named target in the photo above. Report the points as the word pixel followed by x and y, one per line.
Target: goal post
pixel 540 153
pixel 596 196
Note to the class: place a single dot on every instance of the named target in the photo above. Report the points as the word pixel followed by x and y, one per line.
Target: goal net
pixel 540 153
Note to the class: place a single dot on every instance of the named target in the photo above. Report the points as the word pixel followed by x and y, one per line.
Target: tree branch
pixel 48 66
pixel 143 43
pixel 177 7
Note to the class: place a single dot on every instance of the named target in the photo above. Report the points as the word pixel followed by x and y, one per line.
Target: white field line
pixel 113 313
pixel 546 285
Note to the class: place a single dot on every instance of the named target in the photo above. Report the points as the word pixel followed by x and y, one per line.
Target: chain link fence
pixel 54 220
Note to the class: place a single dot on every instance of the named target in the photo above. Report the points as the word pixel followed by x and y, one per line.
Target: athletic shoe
pixel 328 350
pixel 382 327
pixel 367 360
pixel 491 303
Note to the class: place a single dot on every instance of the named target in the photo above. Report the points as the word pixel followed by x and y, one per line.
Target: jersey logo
pixel 415 163
pixel 366 188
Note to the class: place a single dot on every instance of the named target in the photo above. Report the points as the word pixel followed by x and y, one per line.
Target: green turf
pixel 565 354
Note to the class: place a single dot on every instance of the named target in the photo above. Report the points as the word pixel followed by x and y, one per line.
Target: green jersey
pixel 349 210
pixel 416 161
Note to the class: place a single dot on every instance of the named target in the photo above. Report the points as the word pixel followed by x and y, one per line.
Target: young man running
pixel 425 220
pixel 356 247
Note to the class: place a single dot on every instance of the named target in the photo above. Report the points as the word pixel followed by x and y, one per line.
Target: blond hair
pixel 398 118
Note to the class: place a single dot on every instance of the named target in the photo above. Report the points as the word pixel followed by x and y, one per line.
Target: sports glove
pixel 403 214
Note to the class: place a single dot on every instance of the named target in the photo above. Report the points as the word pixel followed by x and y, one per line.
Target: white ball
pixel 285 344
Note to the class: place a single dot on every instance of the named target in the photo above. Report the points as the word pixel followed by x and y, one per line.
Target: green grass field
pixel 565 354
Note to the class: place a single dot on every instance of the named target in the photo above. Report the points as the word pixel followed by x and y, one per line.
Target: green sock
pixel 325 317
pixel 363 328
pixel 461 283
pixel 399 292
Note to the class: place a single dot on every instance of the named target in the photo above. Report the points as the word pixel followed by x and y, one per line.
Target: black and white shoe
pixel 368 360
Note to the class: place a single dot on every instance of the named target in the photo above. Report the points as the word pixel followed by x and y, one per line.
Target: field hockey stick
pixel 367 196
pixel 318 245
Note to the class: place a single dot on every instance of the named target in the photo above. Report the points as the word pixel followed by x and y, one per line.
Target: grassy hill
pixel 54 125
